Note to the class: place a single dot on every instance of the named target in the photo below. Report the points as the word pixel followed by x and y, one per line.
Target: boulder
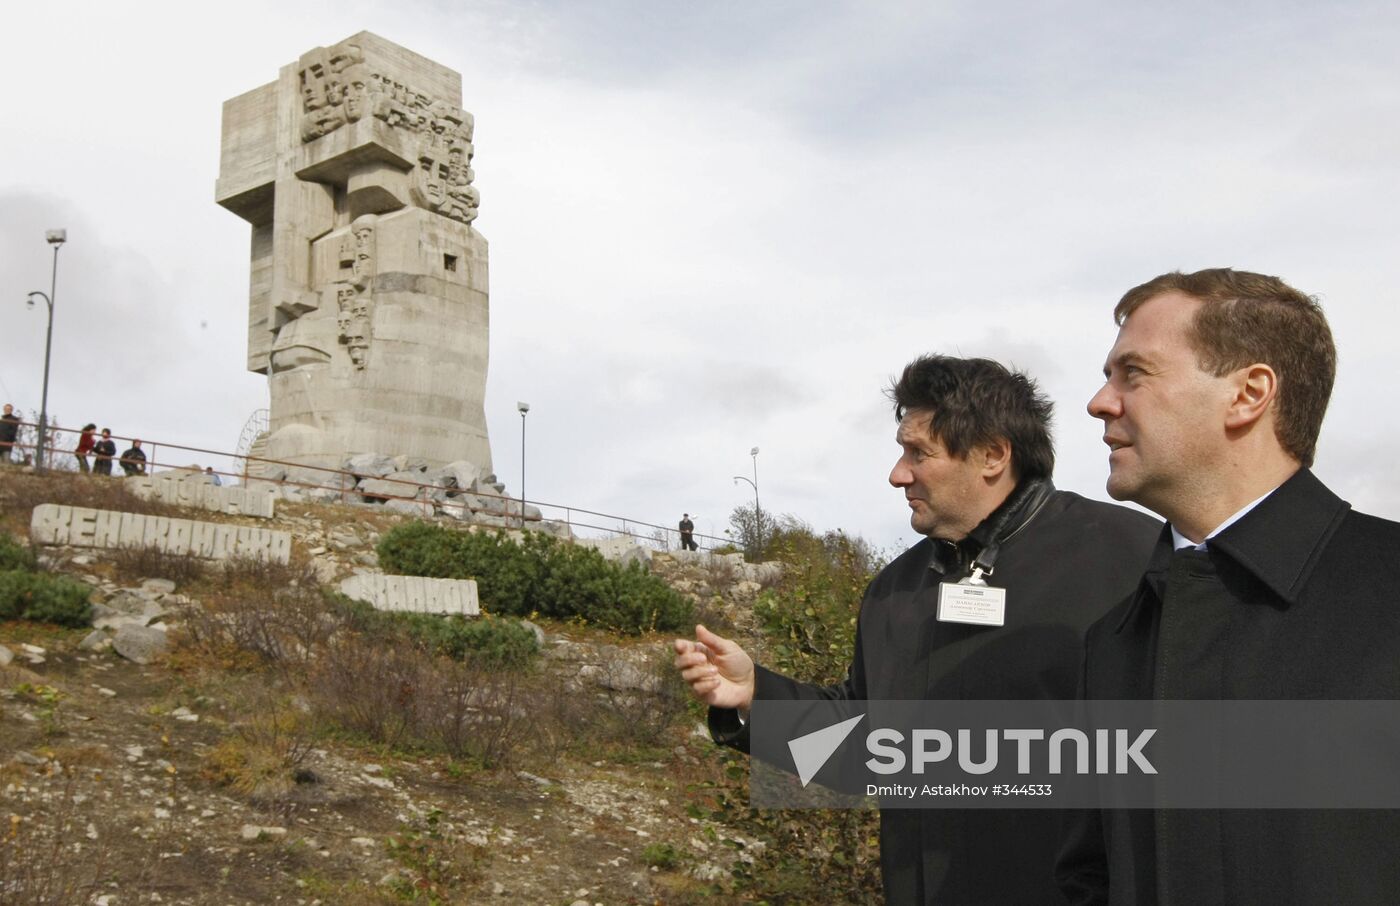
pixel 320 478
pixel 409 507
pixel 437 494
pixel 371 465
pixel 464 472
pixel 6 656
pixel 379 489
pixel 455 509
pixel 157 587
pixel 493 506
pixel 97 640
pixel 622 676
pixel 140 644
pixel 557 529
pixel 622 549
pixel 117 622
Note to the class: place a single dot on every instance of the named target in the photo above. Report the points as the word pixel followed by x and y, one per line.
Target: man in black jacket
pixel 1265 585
pixel 103 451
pixel 9 432
pixel 975 466
pixel 134 459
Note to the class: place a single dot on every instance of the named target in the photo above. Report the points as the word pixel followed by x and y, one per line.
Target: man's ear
pixel 994 458
pixel 1256 388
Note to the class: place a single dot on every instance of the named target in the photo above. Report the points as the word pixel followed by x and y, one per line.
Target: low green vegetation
pixel 29 595
pixel 538 575
pixel 14 555
pixel 662 856
pixel 810 616
pixel 499 643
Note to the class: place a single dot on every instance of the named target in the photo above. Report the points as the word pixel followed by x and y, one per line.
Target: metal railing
pixel 650 533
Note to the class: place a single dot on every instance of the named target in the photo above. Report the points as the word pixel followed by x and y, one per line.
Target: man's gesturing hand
pixel 719 672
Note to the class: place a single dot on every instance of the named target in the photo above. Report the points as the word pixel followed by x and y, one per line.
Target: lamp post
pixel 757 511
pixel 55 238
pixel 523 408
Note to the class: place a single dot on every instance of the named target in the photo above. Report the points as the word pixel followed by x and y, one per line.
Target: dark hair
pixel 979 401
pixel 89 427
pixel 1251 318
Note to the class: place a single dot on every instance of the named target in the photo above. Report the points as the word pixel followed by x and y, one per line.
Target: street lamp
pixel 523 408
pixel 757 511
pixel 55 238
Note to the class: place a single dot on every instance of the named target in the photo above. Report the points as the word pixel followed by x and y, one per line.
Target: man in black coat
pixel 9 432
pixel 1265 585
pixel 103 451
pixel 134 459
pixel 975 466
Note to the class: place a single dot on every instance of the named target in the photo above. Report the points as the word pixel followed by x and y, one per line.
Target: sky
pixel 726 225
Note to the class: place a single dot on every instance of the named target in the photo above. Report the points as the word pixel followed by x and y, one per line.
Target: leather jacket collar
pixel 954 558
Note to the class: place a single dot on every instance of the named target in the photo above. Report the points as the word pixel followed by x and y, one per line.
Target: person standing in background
pixel 134 460
pixel 9 432
pixel 104 450
pixel 85 445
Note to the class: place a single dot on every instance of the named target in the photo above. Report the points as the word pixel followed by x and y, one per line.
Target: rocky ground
pixel 110 791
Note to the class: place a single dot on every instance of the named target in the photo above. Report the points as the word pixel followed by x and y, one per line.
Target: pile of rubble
pixel 460 490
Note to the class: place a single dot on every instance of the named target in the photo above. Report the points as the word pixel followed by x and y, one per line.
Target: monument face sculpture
pixel 368 299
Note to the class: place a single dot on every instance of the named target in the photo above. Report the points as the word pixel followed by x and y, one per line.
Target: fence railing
pixel 342 483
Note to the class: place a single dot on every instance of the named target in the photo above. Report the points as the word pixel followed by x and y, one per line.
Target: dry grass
pixel 262 758
pixel 133 564
pixel 274 613
pixel 20 492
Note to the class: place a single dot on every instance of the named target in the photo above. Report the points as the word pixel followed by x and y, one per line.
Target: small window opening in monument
pixel 449 262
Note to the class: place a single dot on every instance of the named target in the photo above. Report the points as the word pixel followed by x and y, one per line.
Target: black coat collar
pixel 1025 500
pixel 1278 542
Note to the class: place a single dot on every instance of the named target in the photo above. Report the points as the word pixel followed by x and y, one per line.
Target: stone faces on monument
pixel 337 88
pixel 329 100
pixel 354 291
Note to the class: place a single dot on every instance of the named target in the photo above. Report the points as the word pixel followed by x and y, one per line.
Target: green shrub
pixel 662 856
pixel 44 598
pixel 538 575
pixel 504 571
pixel 498 643
pixel 810 616
pixel 14 555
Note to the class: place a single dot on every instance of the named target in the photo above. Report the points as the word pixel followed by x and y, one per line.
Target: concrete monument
pixel 368 300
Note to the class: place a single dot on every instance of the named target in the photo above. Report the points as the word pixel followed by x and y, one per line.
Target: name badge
pixel 979 605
